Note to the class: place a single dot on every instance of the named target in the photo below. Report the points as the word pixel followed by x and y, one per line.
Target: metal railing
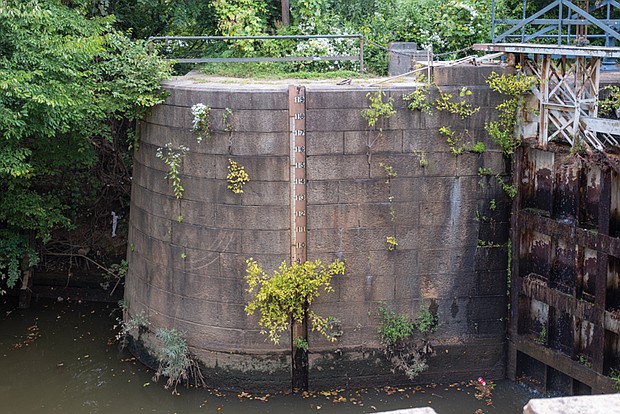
pixel 569 27
pixel 180 41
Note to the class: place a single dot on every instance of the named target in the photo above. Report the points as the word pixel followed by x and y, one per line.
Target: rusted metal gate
pixel 565 288
pixel 564 332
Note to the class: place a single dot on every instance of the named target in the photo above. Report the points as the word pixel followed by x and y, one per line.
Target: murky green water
pixel 62 358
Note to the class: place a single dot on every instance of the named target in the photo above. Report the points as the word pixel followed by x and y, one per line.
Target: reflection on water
pixel 60 357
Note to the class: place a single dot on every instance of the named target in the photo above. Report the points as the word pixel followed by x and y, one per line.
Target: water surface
pixel 62 357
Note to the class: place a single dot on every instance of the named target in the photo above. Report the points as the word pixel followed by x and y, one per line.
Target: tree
pixel 65 82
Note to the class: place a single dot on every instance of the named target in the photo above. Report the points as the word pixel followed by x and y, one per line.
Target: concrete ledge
pixel 591 404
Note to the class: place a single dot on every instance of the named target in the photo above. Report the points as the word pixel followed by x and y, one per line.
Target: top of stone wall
pixel 463 74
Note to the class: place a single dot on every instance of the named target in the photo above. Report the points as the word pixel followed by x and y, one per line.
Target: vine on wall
pixel 173 157
pixel 376 115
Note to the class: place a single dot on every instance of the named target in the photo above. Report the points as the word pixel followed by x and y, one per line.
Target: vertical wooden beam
pixel 286 15
pixel 515 242
pixel 545 75
pixel 600 286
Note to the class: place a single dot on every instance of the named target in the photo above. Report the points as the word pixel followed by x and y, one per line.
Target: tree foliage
pixel 287 295
pixel 65 82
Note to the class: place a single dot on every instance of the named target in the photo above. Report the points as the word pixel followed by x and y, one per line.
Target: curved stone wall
pixel 188 273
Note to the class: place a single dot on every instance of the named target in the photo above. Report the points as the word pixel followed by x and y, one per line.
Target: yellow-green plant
pixel 237 177
pixel 418 100
pixel 462 108
pixel 286 296
pixel 503 131
pixel 392 243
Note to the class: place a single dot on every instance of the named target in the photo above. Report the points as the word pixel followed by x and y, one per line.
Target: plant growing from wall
pixel 418 100
pixel 390 173
pixel 173 157
pixel 614 375
pixel 201 122
pixel 175 360
pixel 458 142
pixel 392 243
pixel 421 156
pixel 541 339
pixel 396 332
pixel 237 177
pixel 611 104
pixel 381 108
pixel 584 360
pixel 227 119
pixel 462 108
pixel 503 131
pixel 287 295
pixel 301 343
pixel 509 189
pixel 139 323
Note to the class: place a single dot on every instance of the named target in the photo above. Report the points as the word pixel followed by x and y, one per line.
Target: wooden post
pixel 25 292
pixel 286 16
pixel 300 356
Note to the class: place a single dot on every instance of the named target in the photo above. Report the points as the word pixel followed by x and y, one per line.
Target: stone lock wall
pixel 188 274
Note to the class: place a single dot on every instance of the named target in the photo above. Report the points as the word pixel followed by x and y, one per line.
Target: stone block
pixel 156 204
pixel 420 142
pixel 256 167
pixel 335 120
pixel 234 265
pixel 146 156
pixel 253 217
pixel 332 216
pixel 261 120
pixel 259 143
pixel 160 135
pixel 461 75
pixel 403 165
pixel 265 193
pixel 320 97
pixel 336 167
pixel 493 259
pixel 226 96
pixel 325 143
pixel 323 192
pixel 207 238
pixel 366 190
pixel 268 168
pixel 157 227
pixel 201 213
pixel 583 404
pixel 491 282
pixel 373 215
pixel 421 410
pixel 358 142
pixel 272 98
pixel 199 165
pixel 200 189
pixel 259 241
